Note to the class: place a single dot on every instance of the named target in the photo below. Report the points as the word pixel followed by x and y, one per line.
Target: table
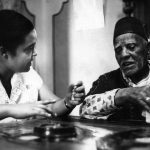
pixel 88 132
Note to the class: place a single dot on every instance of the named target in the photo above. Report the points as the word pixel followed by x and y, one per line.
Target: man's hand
pixel 136 95
pixel 21 111
pixel 76 95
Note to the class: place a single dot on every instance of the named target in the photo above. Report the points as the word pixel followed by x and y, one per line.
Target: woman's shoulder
pixel 31 78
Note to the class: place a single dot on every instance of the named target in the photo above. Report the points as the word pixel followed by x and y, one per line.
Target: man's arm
pixel 106 103
pixel 100 98
pixel 99 105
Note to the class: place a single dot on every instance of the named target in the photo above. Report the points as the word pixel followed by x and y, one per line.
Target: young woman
pixel 22 91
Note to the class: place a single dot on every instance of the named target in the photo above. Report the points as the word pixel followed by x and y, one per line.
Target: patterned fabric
pixel 99 105
pixel 25 88
pixel 102 105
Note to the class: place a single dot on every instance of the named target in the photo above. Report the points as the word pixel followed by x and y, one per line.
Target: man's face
pixel 131 53
pixel 21 62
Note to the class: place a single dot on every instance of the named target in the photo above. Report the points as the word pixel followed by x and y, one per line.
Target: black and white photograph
pixel 74 74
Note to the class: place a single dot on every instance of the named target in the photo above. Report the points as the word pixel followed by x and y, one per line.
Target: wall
pixel 43 11
pixel 84 55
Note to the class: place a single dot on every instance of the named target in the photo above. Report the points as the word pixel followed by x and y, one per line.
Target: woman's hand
pixel 21 111
pixel 76 95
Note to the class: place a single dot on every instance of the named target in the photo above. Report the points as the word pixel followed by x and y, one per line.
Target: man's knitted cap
pixel 129 25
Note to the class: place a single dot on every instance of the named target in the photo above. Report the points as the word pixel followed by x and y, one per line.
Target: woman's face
pixel 25 53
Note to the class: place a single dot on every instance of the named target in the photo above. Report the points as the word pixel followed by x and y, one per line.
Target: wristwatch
pixel 67 106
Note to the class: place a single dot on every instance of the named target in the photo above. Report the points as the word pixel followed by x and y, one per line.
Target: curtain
pixel 87 14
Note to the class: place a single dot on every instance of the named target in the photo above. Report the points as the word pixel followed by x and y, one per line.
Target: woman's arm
pixel 63 106
pixel 21 111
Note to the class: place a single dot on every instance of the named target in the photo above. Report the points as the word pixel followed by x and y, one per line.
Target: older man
pixel 123 93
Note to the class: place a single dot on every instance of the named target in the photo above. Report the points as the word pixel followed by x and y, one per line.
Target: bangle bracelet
pixel 67 106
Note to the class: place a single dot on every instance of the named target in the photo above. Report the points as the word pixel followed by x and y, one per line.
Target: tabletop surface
pixel 21 135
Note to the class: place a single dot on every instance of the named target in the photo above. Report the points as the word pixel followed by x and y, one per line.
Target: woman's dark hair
pixel 13 29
